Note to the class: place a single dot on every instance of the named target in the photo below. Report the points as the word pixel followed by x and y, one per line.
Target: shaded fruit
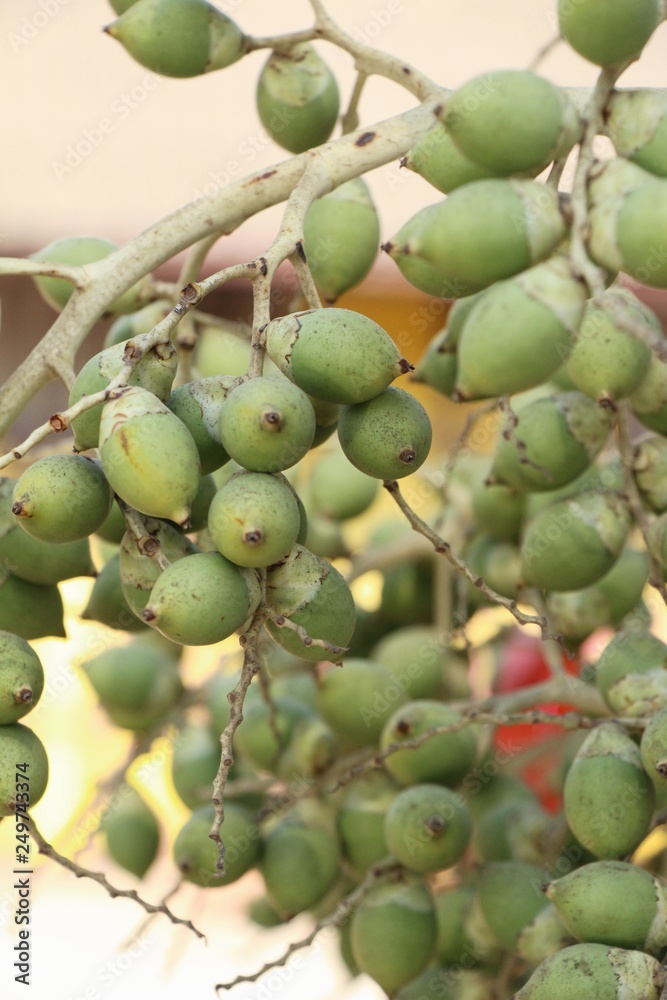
pixel 357 699
pixel 198 405
pixel 149 456
pixel 21 678
pixel 623 233
pixel 138 569
pixel 451 908
pixel 427 828
pixel 361 819
pixel 607 32
pixel 267 424
pixel 259 741
pixel 653 749
pixel 414 267
pixel 301 860
pixel 393 932
pixel 628 653
pixel 113 527
pixel 134 324
pixel 43 562
pixel 194 764
pixel 341 235
pixel 23 761
pixel 313 746
pixel 545 935
pixel 199 600
pixel 649 467
pixel 196 855
pixel 30 610
pixel 608 796
pixel 637 125
pixel 334 354
pixel 297 98
pixel 416 656
pixel 56 292
pixel 106 602
pixel 445 758
pixel 498 511
pixel 312 594
pixel 338 489
pixel 388 437
pixel 131 831
pixel 510 896
pixel 180 38
pixel 438 159
pixel 438 366
pixel 61 498
pixel 254 519
pixel 583 971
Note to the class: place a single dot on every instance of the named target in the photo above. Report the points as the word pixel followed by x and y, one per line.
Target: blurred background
pixel 169 142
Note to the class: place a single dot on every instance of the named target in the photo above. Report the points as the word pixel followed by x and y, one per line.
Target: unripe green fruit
pixel 178 38
pixel 649 468
pixel 653 749
pixel 23 759
pixel 489 230
pixel 629 225
pixel 438 367
pixel 301 861
pixel 21 678
pixel 510 897
pixel 511 121
pixel 608 32
pixel 155 372
pixel 199 405
pixel 313 594
pixel 584 971
pixel 623 585
pixel 334 354
pixel 297 98
pixel 498 358
pixel 445 758
pixel 608 362
pixel 427 828
pixel 341 237
pixel 438 159
pixel 554 440
pixel 194 764
pixel 608 796
pixel 263 914
pixel 587 900
pixel 254 519
pixel 498 563
pixel 639 694
pixel 388 437
pixel 413 266
pixel 30 610
pixel 337 489
pixel 267 424
pixel 435 981
pixel 199 600
pixel 656 539
pixel 196 855
pixel 62 498
pixel 131 831
pixel 637 125
pixel 149 455
pixel 137 684
pixel 361 819
pixel 498 511
pixel 312 748
pixel 223 349
pixel 113 526
pixel 56 292
pixel 451 908
pixel 357 699
pixel 576 614
pixel 512 830
pixel 545 935
pixel 138 571
pixel 201 505
pixel 573 543
pixel 44 562
pixel 649 400
pixel 627 653
pixel 416 657
pixel 256 738
pixel 393 932
pixel 106 603
pixel 134 324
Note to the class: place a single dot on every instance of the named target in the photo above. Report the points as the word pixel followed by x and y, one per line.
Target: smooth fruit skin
pixel 388 436
pixel 149 456
pixel 20 746
pixel 437 159
pixel 198 405
pixel 199 600
pixel 361 819
pixel 21 678
pixel 416 656
pixel 44 563
pixel 444 759
pixel 336 355
pixel 254 519
pixel 267 424
pixel 337 490
pixel 138 571
pixel 642 216
pixel 627 653
pixel 131 831
pixel 56 292
pixel 608 797
pixel 427 828
pixel 179 38
pixel 510 897
pixel 422 274
pixel 637 125
pixel 393 932
pixel 134 324
pixel 301 860
pixel 587 901
pixel 511 121
pixel 62 498
pixel 341 235
pixel 587 971
pixel 653 749
pixel 194 764
pixel 106 603
pixel 196 855
pixel 357 699
pixel 30 610
pixel 607 32
pixel 297 98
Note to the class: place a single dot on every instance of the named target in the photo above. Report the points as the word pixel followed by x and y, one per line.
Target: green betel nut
pixel 511 122
pixel 62 498
pixel 608 797
pixel 445 759
pixel 138 570
pixel 357 700
pixel 267 424
pixel 131 831
pixel 338 490
pixel 77 250
pixel 412 264
pixel 23 761
pixel 198 405
pixel 334 354
pixel 301 859
pixel 196 855
pixel 653 749
pixel 387 437
pixel 21 678
pixel 427 828
pixel 637 125
pixel 297 98
pixel 30 610
pixel 585 971
pixel 106 603
pixel 149 456
pixel 254 519
pixel 510 896
pixel 341 238
pixel 437 159
pixel 179 38
pixel 608 32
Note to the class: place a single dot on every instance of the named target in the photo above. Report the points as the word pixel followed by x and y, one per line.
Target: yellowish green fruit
pixel 21 678
pixel 608 32
pixel 510 896
pixel 637 125
pixel 438 366
pixel 653 749
pixel 361 819
pixel 584 971
pixel 416 656
pixel 438 159
pixel 357 699
pixel 388 436
pixel 427 828
pixel 297 98
pixel 338 490
pixel 196 855
pixel 301 859
pixel 78 250
pixel 627 653
pixel 106 602
pixel 138 569
pixel 452 904
pixel 649 468
pixel 23 761
pixel 198 405
pixel 412 264
pixel 254 519
pixel 134 324
pixel 62 498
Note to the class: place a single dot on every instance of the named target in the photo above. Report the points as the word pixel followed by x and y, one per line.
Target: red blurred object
pixel 520 664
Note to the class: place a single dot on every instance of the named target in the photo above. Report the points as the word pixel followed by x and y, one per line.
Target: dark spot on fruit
pixel 252 537
pixel 148 615
pixel 386 247
pixel 23 696
pixel 436 824
pixel 18 509
pixel 364 139
pixel 405 366
pixel 407 456
pixel 403 727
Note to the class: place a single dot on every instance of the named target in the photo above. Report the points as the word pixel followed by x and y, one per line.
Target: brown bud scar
pixel 386 247
pixel 23 696
pixel 191 293
pixel 661 768
pixel 148 546
pixel 19 510
pixel 253 537
pixel 405 366
pixel 407 456
pixel 403 727
pixel 58 423
pixel 301 252
pixel 273 418
pixel 148 615
pixel 436 824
